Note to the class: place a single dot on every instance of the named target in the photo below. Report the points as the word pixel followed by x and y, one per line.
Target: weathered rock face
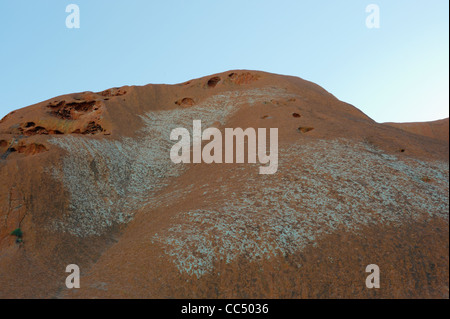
pixel 435 129
pixel 88 179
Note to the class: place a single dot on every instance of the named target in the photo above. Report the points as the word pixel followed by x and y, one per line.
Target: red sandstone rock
pixel 349 193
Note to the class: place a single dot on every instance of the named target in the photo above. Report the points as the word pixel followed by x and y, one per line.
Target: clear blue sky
pixel 399 72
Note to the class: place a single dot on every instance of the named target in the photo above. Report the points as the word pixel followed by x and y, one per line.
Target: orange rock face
pixel 436 129
pixel 87 178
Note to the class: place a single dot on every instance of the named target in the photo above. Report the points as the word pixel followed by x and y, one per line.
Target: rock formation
pixel 88 180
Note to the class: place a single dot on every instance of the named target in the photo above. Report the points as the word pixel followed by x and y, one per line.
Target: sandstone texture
pixel 88 180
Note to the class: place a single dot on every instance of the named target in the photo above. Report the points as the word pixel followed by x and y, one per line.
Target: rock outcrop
pixel 88 180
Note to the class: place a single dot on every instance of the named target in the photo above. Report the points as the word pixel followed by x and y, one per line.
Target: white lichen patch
pixel 319 187
pixel 107 180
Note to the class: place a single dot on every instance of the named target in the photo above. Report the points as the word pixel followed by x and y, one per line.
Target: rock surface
pixel 88 179
pixel 435 129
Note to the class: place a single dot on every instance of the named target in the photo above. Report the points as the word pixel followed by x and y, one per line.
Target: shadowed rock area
pixel 88 179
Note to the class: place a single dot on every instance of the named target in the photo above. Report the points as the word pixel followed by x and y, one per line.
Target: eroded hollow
pixel 296 115
pixel 212 82
pixel 70 111
pixel 187 101
pixel 38 130
pixel 113 92
pixel 55 132
pixel 93 128
pixel 243 78
pixel 85 106
pixel 31 149
pixel 305 129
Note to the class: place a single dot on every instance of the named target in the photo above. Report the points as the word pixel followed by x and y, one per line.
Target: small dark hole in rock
pixel 30 124
pixel 305 129
pixel 296 115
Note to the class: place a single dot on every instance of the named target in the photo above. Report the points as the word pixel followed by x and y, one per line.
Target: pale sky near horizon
pixel 397 73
